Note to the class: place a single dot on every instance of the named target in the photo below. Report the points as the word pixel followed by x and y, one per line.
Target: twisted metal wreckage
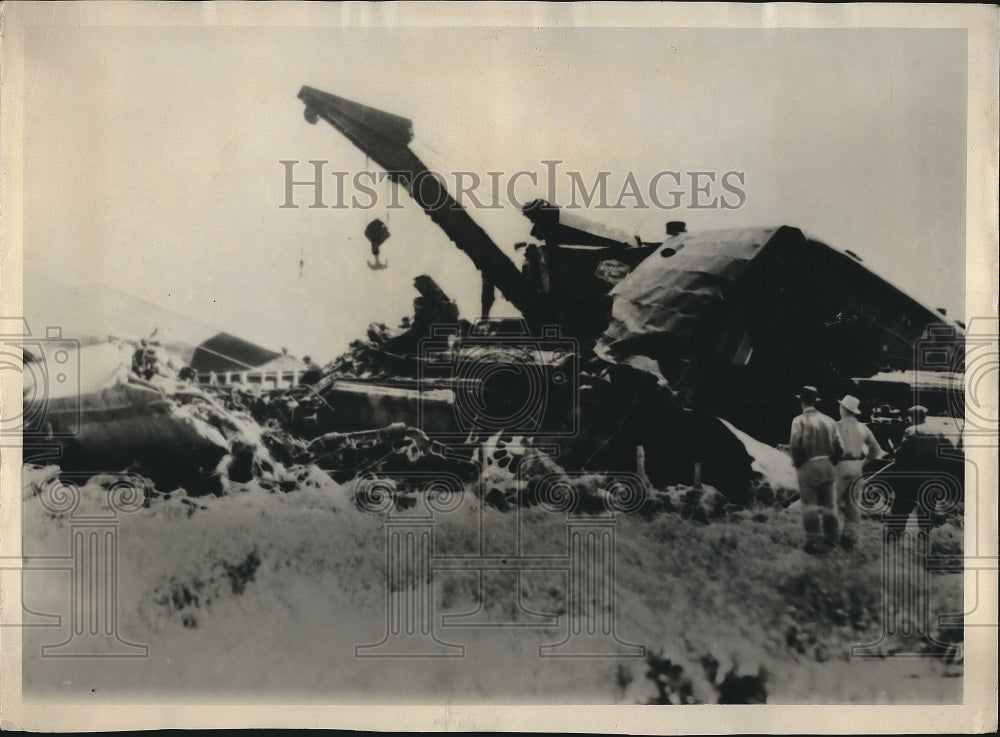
pixel 626 350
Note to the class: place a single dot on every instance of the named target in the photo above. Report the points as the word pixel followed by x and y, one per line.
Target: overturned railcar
pixel 735 320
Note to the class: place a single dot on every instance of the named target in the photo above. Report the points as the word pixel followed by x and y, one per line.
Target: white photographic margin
pixel 978 713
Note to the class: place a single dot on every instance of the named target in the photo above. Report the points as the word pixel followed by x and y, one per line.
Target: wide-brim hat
pixel 851 404
pixel 918 409
pixel 808 394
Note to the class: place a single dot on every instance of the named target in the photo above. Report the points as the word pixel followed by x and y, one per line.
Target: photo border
pixel 977 713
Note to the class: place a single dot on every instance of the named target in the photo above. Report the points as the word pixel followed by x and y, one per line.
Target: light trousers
pixel 818 492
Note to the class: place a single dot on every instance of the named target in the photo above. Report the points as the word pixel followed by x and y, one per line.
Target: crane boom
pixel 385 139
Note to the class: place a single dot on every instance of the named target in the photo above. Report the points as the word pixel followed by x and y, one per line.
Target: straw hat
pixel 851 404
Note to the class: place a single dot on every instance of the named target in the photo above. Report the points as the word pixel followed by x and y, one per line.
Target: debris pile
pixel 252 451
pixel 698 503
pixel 396 451
pixel 515 472
pixel 206 438
pixel 367 357
pixel 393 352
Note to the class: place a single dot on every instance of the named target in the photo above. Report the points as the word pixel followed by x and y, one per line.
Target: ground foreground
pixel 264 596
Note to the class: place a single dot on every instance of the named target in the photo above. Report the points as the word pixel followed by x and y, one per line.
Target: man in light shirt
pixel 860 445
pixel 816 448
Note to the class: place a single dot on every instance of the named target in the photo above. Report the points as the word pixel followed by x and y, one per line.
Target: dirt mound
pixel 730 612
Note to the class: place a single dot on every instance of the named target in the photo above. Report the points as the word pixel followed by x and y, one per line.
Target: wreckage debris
pixel 399 451
pixel 516 473
pixel 699 504
pixel 242 435
pixel 238 436
pixel 345 422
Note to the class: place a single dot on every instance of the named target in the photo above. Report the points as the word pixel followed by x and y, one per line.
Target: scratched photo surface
pixel 459 365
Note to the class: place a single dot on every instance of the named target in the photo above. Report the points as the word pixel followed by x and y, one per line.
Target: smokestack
pixel 675 227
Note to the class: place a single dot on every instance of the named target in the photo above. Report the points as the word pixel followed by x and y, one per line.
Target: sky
pixel 152 155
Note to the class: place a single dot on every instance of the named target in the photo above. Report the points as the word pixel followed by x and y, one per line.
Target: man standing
pixel 816 447
pixel 860 445
pixel 931 450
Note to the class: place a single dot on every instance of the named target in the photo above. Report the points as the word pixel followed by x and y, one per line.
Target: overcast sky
pixel 152 154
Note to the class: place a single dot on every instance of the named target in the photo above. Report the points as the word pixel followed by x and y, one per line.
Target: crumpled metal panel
pixel 706 299
pixel 681 291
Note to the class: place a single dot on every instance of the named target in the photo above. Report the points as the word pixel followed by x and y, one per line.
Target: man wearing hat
pixel 931 449
pixel 816 447
pixel 860 445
